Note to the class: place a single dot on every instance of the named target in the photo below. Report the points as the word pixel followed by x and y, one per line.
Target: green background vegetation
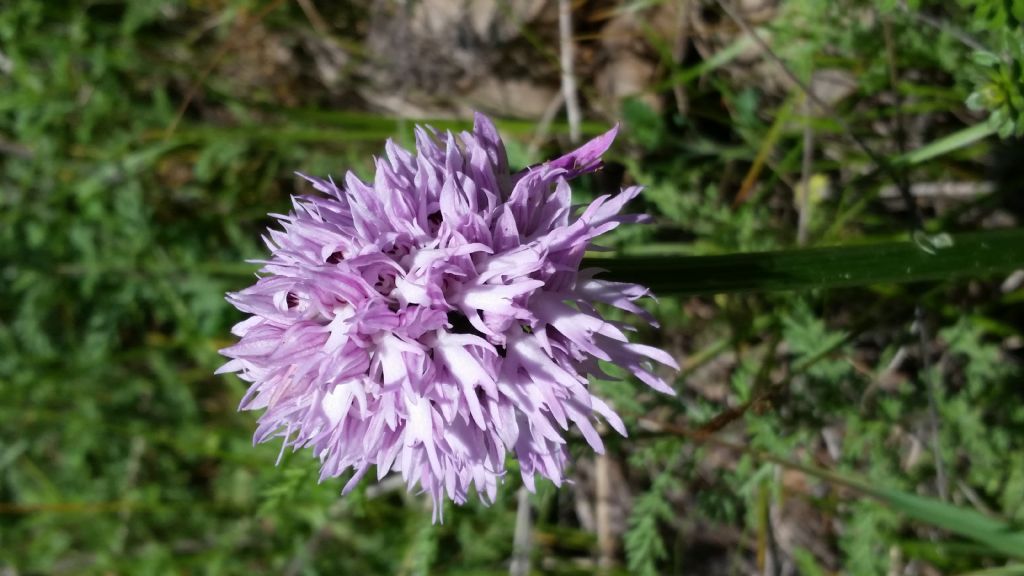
pixel 124 221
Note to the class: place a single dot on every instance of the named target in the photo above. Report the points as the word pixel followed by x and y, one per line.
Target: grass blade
pixel 975 254
pixel 954 141
pixel 994 533
pixel 1008 570
pixel 717 60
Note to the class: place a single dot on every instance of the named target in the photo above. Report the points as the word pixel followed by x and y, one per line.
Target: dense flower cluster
pixel 436 319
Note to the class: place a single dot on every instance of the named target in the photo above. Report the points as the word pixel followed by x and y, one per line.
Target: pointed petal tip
pixel 228 367
pixel 482 122
pixel 587 157
pixel 614 131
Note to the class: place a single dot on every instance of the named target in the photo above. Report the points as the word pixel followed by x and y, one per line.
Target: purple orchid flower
pixel 435 320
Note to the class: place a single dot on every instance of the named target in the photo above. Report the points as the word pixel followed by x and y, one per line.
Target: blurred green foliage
pixel 120 453
pixel 997 68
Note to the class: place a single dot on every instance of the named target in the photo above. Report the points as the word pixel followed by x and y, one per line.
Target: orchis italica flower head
pixel 436 319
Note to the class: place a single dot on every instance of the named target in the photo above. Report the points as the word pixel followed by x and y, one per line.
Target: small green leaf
pixel 976 101
pixel 985 58
pixel 1006 129
pixel 643 122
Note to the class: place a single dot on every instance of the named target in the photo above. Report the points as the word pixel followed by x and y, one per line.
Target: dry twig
pixel 313 15
pixel 522 542
pixel 566 50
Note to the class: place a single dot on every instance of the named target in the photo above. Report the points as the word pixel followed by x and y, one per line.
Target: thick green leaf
pixel 940 257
